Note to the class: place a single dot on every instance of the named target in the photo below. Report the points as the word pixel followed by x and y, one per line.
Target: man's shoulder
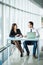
pixel 35 29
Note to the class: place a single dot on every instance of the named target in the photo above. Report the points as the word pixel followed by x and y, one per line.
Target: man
pixel 31 29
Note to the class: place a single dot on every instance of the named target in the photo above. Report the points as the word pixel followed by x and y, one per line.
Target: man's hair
pixel 31 23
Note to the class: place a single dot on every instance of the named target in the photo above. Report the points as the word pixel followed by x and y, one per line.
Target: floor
pixel 15 59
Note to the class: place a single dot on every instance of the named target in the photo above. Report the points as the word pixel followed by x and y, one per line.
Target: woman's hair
pixel 14 24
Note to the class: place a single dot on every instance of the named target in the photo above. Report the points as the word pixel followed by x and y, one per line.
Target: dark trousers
pixel 30 43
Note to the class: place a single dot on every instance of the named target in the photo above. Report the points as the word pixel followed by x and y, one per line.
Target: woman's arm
pixel 19 32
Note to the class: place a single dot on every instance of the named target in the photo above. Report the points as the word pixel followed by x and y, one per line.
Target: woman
pixel 16 32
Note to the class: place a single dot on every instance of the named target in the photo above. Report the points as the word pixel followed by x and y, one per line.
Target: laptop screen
pixel 31 35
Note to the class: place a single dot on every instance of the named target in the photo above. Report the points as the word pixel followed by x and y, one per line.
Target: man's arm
pixel 37 33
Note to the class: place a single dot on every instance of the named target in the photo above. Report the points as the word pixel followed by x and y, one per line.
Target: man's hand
pixel 24 35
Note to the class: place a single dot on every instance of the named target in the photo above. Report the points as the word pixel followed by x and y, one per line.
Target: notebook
pixel 31 35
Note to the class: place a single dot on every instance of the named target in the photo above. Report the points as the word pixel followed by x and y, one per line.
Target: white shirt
pixel 33 30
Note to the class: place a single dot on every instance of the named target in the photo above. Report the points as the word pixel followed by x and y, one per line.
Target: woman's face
pixel 15 27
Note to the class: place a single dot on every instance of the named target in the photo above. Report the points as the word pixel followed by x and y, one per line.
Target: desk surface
pixel 22 38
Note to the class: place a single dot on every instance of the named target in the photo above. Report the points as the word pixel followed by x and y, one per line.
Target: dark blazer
pixel 12 34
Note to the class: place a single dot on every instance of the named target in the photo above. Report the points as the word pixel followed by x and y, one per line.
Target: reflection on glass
pixel 12 2
pixel 6 23
pixel 0 24
pixel 12 16
pixel 4 55
pixel 0 0
pixel 6 1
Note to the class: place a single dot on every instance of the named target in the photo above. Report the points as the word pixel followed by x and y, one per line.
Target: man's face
pixel 30 25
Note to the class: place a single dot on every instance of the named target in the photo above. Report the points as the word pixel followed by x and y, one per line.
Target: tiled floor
pixel 15 59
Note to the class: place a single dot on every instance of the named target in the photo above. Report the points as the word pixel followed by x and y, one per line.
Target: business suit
pixel 13 34
pixel 17 43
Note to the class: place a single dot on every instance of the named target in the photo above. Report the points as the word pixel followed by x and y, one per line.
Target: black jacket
pixel 12 34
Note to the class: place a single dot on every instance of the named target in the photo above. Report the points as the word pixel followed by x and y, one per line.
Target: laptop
pixel 31 35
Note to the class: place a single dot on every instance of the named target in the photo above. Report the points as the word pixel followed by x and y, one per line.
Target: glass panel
pixel 12 2
pixel 12 16
pixel 0 24
pixel 6 1
pixel 6 23
pixel 0 0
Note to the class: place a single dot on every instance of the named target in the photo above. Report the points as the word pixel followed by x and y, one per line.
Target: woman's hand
pixel 17 35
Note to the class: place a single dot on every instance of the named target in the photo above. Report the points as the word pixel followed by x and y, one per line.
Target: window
pixel 36 19
pixel 12 2
pixel 20 12
pixel 0 24
pixel 0 0
pixel 12 16
pixel 6 22
pixel 6 1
